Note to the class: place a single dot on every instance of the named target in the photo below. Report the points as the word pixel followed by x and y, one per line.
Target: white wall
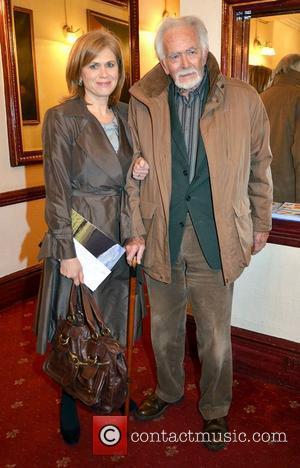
pixel 150 16
pixel 267 295
pixel 210 11
pixel 22 229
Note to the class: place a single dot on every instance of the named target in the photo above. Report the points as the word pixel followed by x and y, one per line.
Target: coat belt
pixel 111 192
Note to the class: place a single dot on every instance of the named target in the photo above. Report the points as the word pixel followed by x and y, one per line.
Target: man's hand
pixel 134 248
pixel 71 268
pixel 259 241
pixel 140 169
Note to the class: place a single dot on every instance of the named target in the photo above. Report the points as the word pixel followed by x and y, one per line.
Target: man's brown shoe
pixel 152 408
pixel 214 437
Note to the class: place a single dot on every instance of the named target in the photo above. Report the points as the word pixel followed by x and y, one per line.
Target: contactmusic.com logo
pixel 109 435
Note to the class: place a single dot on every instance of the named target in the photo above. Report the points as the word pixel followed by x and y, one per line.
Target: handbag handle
pixel 95 310
pixel 90 310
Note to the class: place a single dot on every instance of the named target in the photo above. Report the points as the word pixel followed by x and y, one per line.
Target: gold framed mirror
pixel 237 16
pixel 235 50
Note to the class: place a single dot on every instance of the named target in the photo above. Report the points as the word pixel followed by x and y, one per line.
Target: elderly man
pixel 203 208
pixel 282 102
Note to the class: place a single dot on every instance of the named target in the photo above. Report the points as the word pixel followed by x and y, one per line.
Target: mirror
pixel 48 25
pixel 237 17
pixel 271 39
pixel 241 20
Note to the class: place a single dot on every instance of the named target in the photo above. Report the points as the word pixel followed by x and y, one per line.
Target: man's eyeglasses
pixel 191 54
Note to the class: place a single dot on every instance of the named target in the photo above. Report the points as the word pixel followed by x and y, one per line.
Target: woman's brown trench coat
pixel 83 172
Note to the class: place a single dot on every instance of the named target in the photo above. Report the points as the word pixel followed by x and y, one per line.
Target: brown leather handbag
pixel 85 360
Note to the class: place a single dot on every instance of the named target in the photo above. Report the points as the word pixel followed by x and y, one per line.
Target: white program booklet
pixel 94 272
pixel 96 251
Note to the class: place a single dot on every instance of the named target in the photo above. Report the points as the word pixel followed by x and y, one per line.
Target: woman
pixel 87 154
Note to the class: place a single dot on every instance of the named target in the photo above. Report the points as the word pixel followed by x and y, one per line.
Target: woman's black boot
pixel 132 407
pixel 69 421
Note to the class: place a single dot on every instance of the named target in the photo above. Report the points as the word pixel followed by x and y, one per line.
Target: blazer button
pixel 188 197
pixel 185 172
pixel 181 224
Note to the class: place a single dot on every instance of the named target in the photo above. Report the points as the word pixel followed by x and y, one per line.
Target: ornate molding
pixel 122 3
pixel 262 356
pixel 22 195
pixel 285 233
pixel 134 39
pixel 19 286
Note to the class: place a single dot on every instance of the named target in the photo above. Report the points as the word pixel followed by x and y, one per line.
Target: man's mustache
pixel 186 71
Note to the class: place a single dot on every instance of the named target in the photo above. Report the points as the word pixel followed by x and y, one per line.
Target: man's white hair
pixel 183 21
pixel 287 63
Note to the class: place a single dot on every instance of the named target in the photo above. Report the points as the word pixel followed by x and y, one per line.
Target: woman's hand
pixel 71 268
pixel 140 169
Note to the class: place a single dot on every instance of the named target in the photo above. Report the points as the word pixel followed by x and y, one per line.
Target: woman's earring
pixel 80 82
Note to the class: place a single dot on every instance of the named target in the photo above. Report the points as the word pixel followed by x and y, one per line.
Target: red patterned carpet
pixel 29 434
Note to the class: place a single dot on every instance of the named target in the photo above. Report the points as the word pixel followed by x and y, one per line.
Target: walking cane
pixel 130 330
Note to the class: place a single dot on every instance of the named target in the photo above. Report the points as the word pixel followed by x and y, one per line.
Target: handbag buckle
pixel 105 332
pixel 91 361
pixel 63 340
pixel 95 336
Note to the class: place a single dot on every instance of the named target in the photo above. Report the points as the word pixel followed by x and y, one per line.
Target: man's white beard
pixel 192 83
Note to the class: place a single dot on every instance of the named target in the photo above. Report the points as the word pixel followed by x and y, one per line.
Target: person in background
pixel 282 102
pixel 201 211
pixel 87 153
pixel 259 77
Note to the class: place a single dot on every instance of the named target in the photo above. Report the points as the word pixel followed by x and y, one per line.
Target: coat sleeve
pixel 133 186
pixel 260 187
pixel 125 217
pixel 58 242
pixel 296 149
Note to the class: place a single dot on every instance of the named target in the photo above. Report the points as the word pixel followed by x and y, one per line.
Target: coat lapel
pixel 93 141
pixel 125 150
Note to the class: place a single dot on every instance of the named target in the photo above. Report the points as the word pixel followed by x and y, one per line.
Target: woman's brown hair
pixel 83 52
pixel 259 77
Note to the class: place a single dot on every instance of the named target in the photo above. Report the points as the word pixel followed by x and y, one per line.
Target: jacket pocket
pixel 148 212
pixel 244 227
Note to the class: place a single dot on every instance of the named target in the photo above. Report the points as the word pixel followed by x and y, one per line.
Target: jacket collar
pixel 77 107
pixel 155 82
pixel 292 77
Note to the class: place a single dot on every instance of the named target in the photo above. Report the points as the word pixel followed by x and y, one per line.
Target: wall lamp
pixel 265 47
pixel 69 31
